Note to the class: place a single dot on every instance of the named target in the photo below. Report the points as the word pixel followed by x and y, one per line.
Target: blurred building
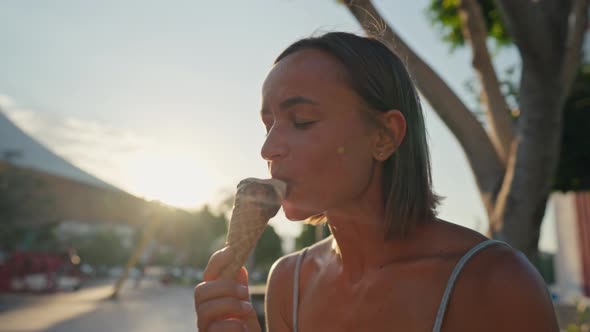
pixel 74 229
pixel 19 149
pixel 69 194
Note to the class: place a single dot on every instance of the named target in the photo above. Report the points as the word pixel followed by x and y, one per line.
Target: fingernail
pixel 246 307
pixel 242 291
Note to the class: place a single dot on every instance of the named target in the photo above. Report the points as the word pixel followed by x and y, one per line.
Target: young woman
pixel 345 131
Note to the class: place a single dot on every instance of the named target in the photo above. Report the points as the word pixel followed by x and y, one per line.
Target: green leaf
pixel 572 328
pixel 444 15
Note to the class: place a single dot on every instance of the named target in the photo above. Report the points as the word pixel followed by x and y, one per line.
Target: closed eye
pixel 303 124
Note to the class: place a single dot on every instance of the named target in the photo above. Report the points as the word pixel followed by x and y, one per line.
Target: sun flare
pixel 176 179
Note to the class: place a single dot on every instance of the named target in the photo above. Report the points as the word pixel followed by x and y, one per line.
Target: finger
pixel 251 322
pixel 221 309
pixel 218 261
pixel 209 290
pixel 227 326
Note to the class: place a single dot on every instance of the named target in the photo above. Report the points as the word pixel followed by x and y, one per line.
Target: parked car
pixel 34 271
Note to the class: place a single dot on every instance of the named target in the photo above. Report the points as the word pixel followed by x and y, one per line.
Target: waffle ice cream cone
pixel 256 202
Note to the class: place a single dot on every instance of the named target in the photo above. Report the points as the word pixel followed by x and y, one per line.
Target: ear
pixel 390 134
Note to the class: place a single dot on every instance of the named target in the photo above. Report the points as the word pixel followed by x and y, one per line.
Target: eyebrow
pixel 292 101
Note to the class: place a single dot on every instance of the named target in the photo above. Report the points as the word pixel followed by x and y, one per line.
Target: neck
pixel 359 243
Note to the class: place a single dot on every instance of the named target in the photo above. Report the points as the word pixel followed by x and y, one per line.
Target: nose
pixel 274 147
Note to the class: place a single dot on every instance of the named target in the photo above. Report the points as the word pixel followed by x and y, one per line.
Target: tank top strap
pixel 451 282
pixel 296 288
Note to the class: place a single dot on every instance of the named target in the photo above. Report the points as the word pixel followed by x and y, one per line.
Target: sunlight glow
pixel 173 178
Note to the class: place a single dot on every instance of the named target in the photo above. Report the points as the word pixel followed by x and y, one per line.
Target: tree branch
pixel 573 50
pixel 474 30
pixel 486 166
pixel 539 30
pixel 531 167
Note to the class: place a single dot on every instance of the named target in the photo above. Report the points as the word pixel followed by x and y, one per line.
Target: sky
pixel 162 98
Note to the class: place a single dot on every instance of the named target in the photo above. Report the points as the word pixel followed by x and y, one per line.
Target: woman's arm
pixel 504 292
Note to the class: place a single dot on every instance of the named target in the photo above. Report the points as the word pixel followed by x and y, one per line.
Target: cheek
pixel 349 155
pixel 328 182
pixel 352 168
pixel 336 170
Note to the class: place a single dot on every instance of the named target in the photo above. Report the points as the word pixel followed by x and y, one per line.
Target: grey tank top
pixel 446 295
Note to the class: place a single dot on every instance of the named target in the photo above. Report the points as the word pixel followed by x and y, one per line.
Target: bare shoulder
pixel 500 290
pixel 451 234
pixel 279 291
pixel 283 270
pixel 278 298
pixel 497 290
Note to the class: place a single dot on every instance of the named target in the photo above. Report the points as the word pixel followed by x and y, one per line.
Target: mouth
pixel 286 181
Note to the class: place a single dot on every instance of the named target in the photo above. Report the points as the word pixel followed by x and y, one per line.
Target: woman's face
pixel 317 140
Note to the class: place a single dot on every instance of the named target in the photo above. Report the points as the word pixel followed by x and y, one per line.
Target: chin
pixel 297 214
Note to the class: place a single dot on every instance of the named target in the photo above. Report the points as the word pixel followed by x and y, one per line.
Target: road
pixel 148 308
